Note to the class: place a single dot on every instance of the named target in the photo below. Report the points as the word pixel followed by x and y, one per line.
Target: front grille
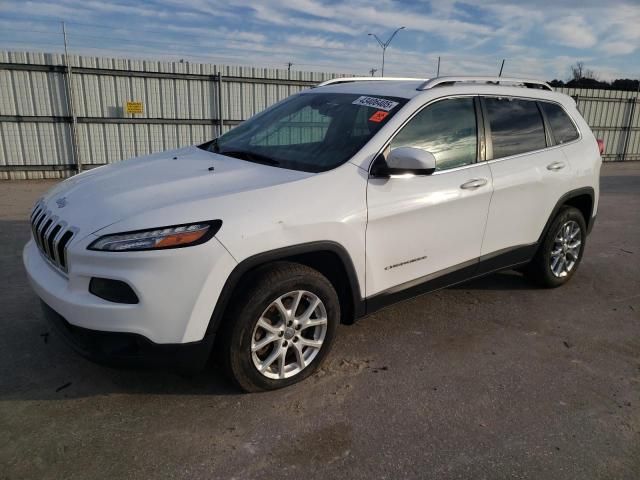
pixel 51 235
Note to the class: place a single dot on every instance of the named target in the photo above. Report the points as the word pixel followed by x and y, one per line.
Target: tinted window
pixel 561 125
pixel 312 132
pixel 516 126
pixel 447 129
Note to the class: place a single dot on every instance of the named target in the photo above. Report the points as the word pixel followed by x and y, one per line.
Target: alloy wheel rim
pixel 289 334
pixel 566 249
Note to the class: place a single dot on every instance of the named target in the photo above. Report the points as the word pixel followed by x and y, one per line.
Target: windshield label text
pixel 373 102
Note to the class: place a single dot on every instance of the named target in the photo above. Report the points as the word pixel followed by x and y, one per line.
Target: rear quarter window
pixel 562 128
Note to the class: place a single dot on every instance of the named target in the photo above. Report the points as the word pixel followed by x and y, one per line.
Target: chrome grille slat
pixel 41 221
pixel 56 239
pixel 42 227
pixel 51 223
pixel 36 224
pixel 52 236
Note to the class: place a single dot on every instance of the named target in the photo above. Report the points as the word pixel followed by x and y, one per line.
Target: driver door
pixel 423 227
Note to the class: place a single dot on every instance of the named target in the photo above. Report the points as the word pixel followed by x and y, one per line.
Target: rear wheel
pixel 561 250
pixel 282 327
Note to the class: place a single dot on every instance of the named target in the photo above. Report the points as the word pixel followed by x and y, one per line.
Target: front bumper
pixel 129 349
pixel 177 289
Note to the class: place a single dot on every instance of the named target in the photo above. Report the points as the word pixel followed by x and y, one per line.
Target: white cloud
pixel 472 36
pixel 572 31
pixel 315 42
pixel 618 48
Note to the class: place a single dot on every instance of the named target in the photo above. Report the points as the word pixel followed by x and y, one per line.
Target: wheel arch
pixel 580 198
pixel 329 258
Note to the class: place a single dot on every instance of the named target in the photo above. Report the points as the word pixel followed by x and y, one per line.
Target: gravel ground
pixel 491 379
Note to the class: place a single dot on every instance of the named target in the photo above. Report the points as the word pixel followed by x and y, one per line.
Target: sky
pixel 538 39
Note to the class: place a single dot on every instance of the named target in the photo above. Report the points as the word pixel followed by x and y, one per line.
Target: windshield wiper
pixel 250 156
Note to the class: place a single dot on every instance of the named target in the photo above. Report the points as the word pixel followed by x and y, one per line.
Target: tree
pixel 625 84
pixel 579 71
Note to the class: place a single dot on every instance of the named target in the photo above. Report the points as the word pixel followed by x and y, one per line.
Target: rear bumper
pixel 129 349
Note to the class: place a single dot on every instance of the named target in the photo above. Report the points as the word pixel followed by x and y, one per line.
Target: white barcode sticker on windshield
pixel 373 102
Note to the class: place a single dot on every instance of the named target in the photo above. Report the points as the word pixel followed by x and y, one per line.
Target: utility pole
pixel 501 67
pixel 384 45
pixel 373 71
pixel 438 71
pixel 71 106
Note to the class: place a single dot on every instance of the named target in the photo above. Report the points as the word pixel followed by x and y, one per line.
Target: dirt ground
pixel 491 379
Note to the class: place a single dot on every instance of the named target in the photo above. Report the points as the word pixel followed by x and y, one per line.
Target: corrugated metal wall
pixel 181 107
pixel 613 116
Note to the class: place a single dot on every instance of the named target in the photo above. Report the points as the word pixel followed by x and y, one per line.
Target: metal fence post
pixel 220 109
pixel 70 104
pixel 633 102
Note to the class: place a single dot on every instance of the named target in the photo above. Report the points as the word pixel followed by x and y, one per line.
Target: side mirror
pixel 403 160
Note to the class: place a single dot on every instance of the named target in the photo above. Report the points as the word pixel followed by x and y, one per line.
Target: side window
pixel 516 126
pixel 447 129
pixel 561 125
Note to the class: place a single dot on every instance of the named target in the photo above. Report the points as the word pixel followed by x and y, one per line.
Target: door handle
pixel 555 166
pixel 473 184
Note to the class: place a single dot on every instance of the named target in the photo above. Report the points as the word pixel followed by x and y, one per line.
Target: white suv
pixel 321 209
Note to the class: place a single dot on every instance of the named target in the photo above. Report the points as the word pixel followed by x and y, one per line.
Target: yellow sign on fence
pixel 134 107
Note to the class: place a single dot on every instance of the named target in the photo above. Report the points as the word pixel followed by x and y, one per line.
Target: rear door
pixel 529 175
pixel 421 227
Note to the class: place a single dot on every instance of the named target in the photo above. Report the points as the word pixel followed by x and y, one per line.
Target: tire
pixel 559 245
pixel 259 330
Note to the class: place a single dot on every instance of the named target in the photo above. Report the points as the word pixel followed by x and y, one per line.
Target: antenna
pixel 501 67
pixel 438 71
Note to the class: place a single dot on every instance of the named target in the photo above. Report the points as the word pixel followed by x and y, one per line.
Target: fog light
pixel 115 291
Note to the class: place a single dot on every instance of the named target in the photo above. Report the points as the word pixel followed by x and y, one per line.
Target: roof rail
pixel 440 81
pixel 334 81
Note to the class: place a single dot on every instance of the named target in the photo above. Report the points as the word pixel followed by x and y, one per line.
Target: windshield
pixel 313 132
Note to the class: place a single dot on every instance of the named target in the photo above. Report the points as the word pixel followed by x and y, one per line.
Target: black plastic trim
pixel 111 290
pixel 590 224
pixel 128 349
pixel 568 196
pixel 481 142
pixel 215 226
pixel 548 134
pixel 485 265
pixel 279 254
pixel 488 141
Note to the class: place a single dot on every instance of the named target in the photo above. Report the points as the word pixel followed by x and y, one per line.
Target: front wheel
pixel 561 250
pixel 281 327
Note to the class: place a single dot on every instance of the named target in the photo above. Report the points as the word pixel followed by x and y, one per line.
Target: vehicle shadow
pixel 35 363
pixel 504 280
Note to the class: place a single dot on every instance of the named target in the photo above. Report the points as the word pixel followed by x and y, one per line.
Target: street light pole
pixel 384 45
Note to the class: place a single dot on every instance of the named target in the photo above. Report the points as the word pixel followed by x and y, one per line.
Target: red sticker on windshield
pixel 378 116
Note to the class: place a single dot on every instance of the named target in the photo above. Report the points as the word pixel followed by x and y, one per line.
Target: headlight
pixel 176 236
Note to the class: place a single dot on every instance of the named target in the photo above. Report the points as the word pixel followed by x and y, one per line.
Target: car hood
pixel 103 196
